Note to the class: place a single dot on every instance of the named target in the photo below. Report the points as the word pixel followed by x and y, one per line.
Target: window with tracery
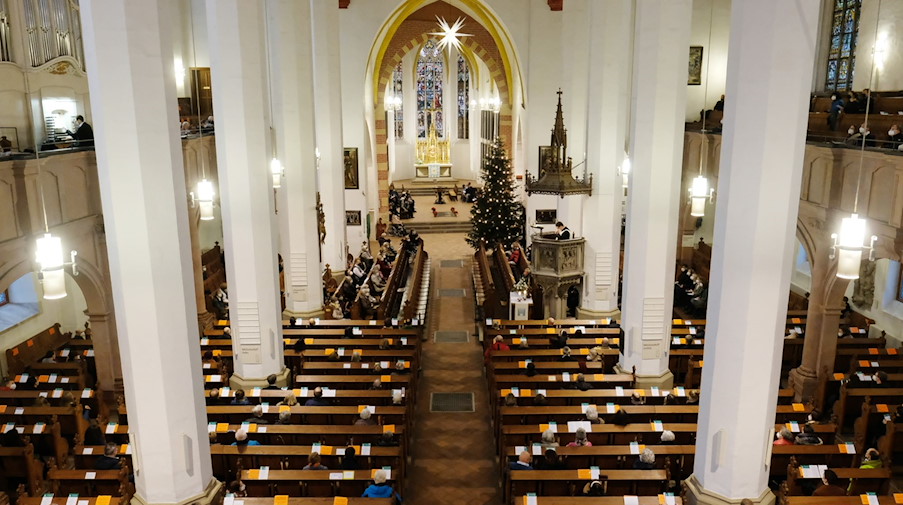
pixel 398 92
pixel 430 74
pixel 463 98
pixel 842 51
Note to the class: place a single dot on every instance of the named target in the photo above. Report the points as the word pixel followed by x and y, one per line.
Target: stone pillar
pixel 822 322
pixel 142 186
pixel 327 88
pixel 661 38
pixel 205 319
pixel 770 61
pixel 293 105
pixel 106 352
pixel 238 72
pixel 607 118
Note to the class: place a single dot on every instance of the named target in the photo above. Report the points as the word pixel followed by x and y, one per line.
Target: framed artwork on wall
pixel 546 216
pixel 351 173
pixel 695 70
pixel 352 218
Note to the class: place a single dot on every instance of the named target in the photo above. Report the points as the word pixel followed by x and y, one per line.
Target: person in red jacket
pixel 498 344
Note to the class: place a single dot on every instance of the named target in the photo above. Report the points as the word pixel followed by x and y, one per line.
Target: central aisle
pixel 453 453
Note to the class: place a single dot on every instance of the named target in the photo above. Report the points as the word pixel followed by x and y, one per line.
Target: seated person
pixel 313 462
pixel 349 460
pixel 317 400
pixel 580 439
pixel 551 461
pixel 871 459
pixel 240 398
pixel 241 438
pixel 594 488
pixel 109 461
pixel 256 416
pixel 646 461
pixel 523 462
pixel 366 419
pixel 380 488
pixel 808 436
pixel 784 437
pixel 271 381
pixel 894 136
pixel 831 485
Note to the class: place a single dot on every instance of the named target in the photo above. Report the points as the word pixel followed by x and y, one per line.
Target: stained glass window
pixel 398 92
pixel 463 99
pixel 430 74
pixel 842 52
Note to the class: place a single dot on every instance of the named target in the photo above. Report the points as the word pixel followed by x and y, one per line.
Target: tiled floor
pixel 453 454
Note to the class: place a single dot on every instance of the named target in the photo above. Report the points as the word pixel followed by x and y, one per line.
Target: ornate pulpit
pixel 557 265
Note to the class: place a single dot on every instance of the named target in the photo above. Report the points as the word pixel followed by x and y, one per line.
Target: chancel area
pixel 500 252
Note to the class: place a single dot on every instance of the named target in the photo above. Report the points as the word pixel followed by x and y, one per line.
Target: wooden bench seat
pixel 235 414
pixel 617 482
pixel 20 463
pixel 69 418
pixel 642 413
pixel 308 482
pixel 309 434
pixel 353 381
pixel 352 500
pixel 599 500
pixel 63 500
pixel 88 482
pixel 342 396
pixel 865 480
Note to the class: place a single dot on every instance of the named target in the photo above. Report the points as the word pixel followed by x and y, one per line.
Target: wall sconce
pixel 848 247
pixel 203 199
pixel 51 267
pixel 277 171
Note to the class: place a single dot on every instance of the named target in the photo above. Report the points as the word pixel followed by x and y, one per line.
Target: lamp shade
pixel 205 199
pixel 850 244
pixel 699 192
pixel 49 256
pixel 276 170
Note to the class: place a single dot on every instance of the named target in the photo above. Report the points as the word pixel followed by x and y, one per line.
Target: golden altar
pixel 433 157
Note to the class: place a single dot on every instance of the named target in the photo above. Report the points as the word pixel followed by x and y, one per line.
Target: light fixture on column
pixel 393 103
pixel 493 104
pixel 850 243
pixel 699 193
pixel 204 199
pixel 277 171
pixel 49 257
pixel 624 171
pixel 699 188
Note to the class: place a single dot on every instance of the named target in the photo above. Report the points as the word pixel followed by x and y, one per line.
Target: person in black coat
pixel 109 461
pixel 522 463
pixel 83 133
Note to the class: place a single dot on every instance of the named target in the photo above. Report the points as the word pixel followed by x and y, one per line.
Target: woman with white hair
pixel 397 397
pixel 580 439
pixel 668 437
pixel 365 419
pixel 592 415
pixel 380 488
pixel 549 440
pixel 646 460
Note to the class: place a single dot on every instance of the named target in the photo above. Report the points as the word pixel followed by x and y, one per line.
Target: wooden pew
pixel 63 500
pixel 308 482
pixel 415 289
pixel 864 480
pixel 88 482
pixel 617 482
pixel 309 434
pixel 851 398
pixel 20 463
pixel 641 413
pixel 226 458
pixel 600 500
pixel 391 298
pixel 47 436
pixel 352 500
pixel 491 294
pixel 33 349
pixel 342 397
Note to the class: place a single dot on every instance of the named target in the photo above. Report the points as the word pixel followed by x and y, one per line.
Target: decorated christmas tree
pixel 496 215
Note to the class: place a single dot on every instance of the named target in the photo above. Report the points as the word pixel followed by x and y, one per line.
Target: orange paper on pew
pixel 701 362
pixel 521 364
pixel 864 498
pixel 102 500
pixel 873 350
pixel 385 378
pixel 15 351
pixel 217 352
pixel 252 428
pixel 280 499
pixel 296 392
pixel 892 351
pixel 898 497
pixel 389 427
pixel 796 320
pixel 864 363
pixel 2 409
pixel 584 474
pixel 526 392
pixel 30 342
pixel 339 500
pixel 285 408
pixel 254 474
pixel 43 378
pixel 506 392
pixel 598 376
pixel 838 376
pixel 550 331
pixel 308 341
pixel 600 340
pixel 882 407
pixel 516 340
pixel 799 407
pixel 329 351
pixel 678 321
pixel 222 427
pixel 124 448
pixel 326 450
pixel 584 351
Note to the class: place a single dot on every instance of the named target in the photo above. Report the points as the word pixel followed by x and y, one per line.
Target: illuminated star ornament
pixel 450 34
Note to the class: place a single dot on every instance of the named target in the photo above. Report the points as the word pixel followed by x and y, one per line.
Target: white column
pixel 755 221
pixel 237 56
pixel 661 41
pixel 292 71
pixel 328 113
pixel 142 187
pixel 607 118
